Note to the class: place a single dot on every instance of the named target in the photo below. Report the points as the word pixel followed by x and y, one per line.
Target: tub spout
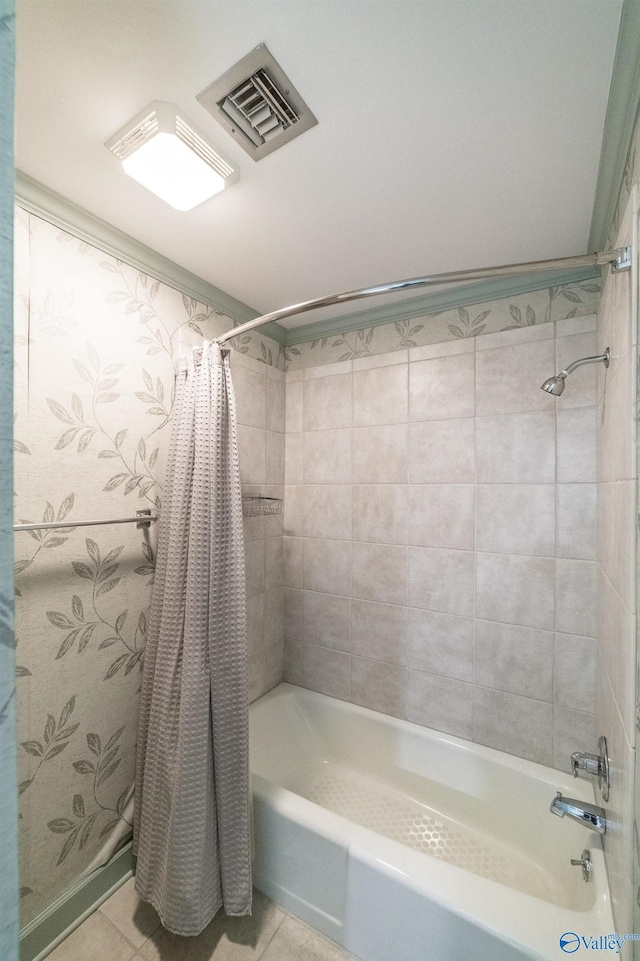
pixel 590 815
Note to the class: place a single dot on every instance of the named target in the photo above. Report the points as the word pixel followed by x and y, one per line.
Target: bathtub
pixel 404 844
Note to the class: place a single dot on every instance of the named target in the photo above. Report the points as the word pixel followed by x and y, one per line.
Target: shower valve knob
pixel 595 765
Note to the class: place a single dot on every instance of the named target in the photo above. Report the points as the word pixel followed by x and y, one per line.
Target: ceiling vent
pixel 257 104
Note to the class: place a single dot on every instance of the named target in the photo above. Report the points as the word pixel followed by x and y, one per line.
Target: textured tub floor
pixel 124 928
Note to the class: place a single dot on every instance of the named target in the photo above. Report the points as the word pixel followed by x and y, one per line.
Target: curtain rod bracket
pixel 623 260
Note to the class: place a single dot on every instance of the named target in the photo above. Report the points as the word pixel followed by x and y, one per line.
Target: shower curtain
pixel 191 833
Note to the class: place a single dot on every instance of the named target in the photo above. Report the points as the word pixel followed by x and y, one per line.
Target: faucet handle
pixel 585 863
pixel 591 763
pixel 595 765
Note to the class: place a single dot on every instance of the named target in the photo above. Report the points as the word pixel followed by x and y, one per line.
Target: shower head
pixel 555 384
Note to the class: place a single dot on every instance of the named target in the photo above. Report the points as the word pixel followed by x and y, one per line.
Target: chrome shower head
pixel 555 384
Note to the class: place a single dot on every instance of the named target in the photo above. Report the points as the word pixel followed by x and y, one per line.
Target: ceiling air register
pixel 257 104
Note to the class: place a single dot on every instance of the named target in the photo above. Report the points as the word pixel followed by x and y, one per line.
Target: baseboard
pixel 51 927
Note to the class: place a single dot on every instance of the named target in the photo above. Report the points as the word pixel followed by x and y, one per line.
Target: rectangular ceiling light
pixel 162 150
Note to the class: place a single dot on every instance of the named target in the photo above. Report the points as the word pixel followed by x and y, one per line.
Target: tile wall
pixel 616 615
pixel 440 548
pixel 260 398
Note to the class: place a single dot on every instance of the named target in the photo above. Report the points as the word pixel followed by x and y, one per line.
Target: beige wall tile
pixel 577 521
pixel 516 590
pixel 516 519
pixel 274 563
pixel 292 667
pixel 294 406
pixel 252 454
pixel 379 455
pixel 518 660
pixel 275 458
pixel 327 620
pixel 380 513
pixel 273 618
pixel 327 402
pixel 446 349
pixel 273 664
pixel 440 703
pixel 575 672
pixel 276 393
pixel 582 384
pixel 576 597
pixel 515 724
pixel 329 370
pixel 327 511
pixel 442 515
pixel 251 396
pixel 292 548
pixel 293 509
pixel 508 379
pixel 440 644
pixel 379 631
pixel 255 623
pixel 442 452
pixel 378 686
pixel 379 573
pixel 381 360
pixel 573 731
pixel 575 325
pixel 517 335
pixel 516 448
pixel 380 396
pixel 293 454
pixel 327 457
pixel 293 613
pixel 442 388
pixel 326 671
pixel 254 564
pixel 577 446
pixel 327 566
pixel 441 580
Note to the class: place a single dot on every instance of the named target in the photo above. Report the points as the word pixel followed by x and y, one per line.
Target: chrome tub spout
pixel 592 816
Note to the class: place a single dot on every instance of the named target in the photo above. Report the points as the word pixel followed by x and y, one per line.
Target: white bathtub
pixel 404 844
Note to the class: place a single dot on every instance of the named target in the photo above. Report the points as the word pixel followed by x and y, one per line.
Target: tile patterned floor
pixel 125 928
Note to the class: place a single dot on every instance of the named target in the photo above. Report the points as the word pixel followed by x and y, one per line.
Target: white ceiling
pixel 451 134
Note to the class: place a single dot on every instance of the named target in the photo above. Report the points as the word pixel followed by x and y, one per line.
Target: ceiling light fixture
pixel 162 150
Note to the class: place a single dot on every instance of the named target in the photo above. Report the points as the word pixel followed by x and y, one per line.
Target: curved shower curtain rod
pixel 619 258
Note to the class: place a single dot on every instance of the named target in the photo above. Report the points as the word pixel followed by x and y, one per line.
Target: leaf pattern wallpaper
pixel 95 346
pixel 523 310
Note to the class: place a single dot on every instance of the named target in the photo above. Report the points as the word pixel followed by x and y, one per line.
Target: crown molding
pixel 57 210
pixel 464 296
pixel 620 120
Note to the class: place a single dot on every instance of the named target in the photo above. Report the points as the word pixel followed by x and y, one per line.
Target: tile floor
pixel 125 928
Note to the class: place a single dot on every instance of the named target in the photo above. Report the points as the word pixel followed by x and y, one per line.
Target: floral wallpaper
pixel 523 310
pixel 95 345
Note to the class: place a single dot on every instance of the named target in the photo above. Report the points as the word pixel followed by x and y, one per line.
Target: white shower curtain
pixel 191 833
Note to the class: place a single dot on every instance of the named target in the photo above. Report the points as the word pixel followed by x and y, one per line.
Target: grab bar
pixel 143 518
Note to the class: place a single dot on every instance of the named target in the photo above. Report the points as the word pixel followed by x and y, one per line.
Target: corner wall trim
pixel 64 915
pixel 57 210
pixel 476 293
pixel 622 110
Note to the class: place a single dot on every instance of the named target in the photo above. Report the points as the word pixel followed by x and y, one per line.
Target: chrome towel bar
pixel 143 518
